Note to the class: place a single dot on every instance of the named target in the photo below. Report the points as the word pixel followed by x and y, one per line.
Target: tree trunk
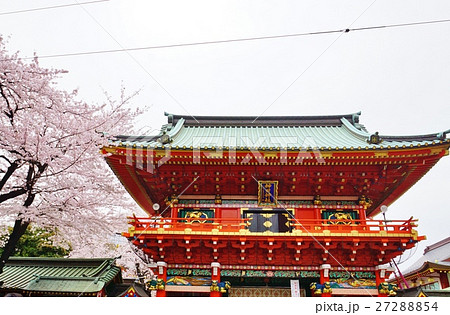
pixel 20 227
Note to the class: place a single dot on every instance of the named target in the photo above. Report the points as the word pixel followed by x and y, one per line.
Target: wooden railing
pixel 304 225
pixel 362 226
pixel 179 224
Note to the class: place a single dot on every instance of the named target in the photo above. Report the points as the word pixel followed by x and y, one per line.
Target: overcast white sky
pixel 398 77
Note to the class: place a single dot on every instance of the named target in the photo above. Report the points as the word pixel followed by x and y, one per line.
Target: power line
pixel 136 61
pixel 314 61
pixel 52 7
pixel 347 30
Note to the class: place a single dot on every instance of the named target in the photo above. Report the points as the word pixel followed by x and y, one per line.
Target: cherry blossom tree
pixel 51 169
pixel 37 242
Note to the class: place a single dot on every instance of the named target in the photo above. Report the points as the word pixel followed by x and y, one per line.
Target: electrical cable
pixel 347 30
pixel 52 7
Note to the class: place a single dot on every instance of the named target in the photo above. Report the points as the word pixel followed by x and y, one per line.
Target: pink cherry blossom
pixel 51 169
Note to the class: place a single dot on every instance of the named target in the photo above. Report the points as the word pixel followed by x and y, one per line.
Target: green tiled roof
pixel 272 132
pixel 58 274
pixel 61 284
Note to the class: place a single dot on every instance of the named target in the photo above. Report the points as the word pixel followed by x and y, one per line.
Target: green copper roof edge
pixel 176 129
pixel 368 147
pixel 439 136
pixel 19 274
pixel 100 268
pixel 39 278
pixel 88 287
pixel 354 130
pixel 344 136
pixel 200 119
pixel 106 276
pixel 410 138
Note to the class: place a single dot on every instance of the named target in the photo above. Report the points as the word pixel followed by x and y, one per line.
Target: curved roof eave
pixel 361 134
pixel 326 120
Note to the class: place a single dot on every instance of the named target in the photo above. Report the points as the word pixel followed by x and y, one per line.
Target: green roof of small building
pixel 419 291
pixel 272 132
pixel 77 275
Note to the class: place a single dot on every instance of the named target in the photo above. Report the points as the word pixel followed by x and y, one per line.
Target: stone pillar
pixel 161 270
pixel 380 278
pixel 215 280
pixel 325 279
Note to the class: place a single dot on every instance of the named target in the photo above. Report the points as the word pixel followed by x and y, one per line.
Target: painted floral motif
pixel 255 273
pixel 201 272
pixel 177 272
pixel 230 273
pixel 285 274
pixel 357 275
pixel 309 274
pixel 188 272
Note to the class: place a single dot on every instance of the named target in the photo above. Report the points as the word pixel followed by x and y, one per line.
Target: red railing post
pixel 162 279
pixel 215 280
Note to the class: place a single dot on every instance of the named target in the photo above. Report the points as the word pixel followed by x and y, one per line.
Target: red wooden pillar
pixel 317 216
pixel 380 277
pixel 362 214
pixel 443 279
pixel 325 277
pixel 162 275
pixel 215 276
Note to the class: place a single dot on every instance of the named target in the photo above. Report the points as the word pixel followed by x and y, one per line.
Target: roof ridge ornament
pixel 169 117
pixel 375 138
pixel 165 138
pixel 355 118
pixel 355 122
pixel 442 135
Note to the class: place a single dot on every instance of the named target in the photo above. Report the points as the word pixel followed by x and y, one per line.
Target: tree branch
pixel 11 169
pixel 12 194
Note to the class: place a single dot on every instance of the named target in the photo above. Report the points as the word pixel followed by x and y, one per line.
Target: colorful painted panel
pixel 195 215
pixel 188 280
pixel 267 193
pixel 340 217
pixel 270 273
pixel 353 283
pixel 353 280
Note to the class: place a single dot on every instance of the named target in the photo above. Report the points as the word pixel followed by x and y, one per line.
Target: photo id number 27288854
pixel 406 306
